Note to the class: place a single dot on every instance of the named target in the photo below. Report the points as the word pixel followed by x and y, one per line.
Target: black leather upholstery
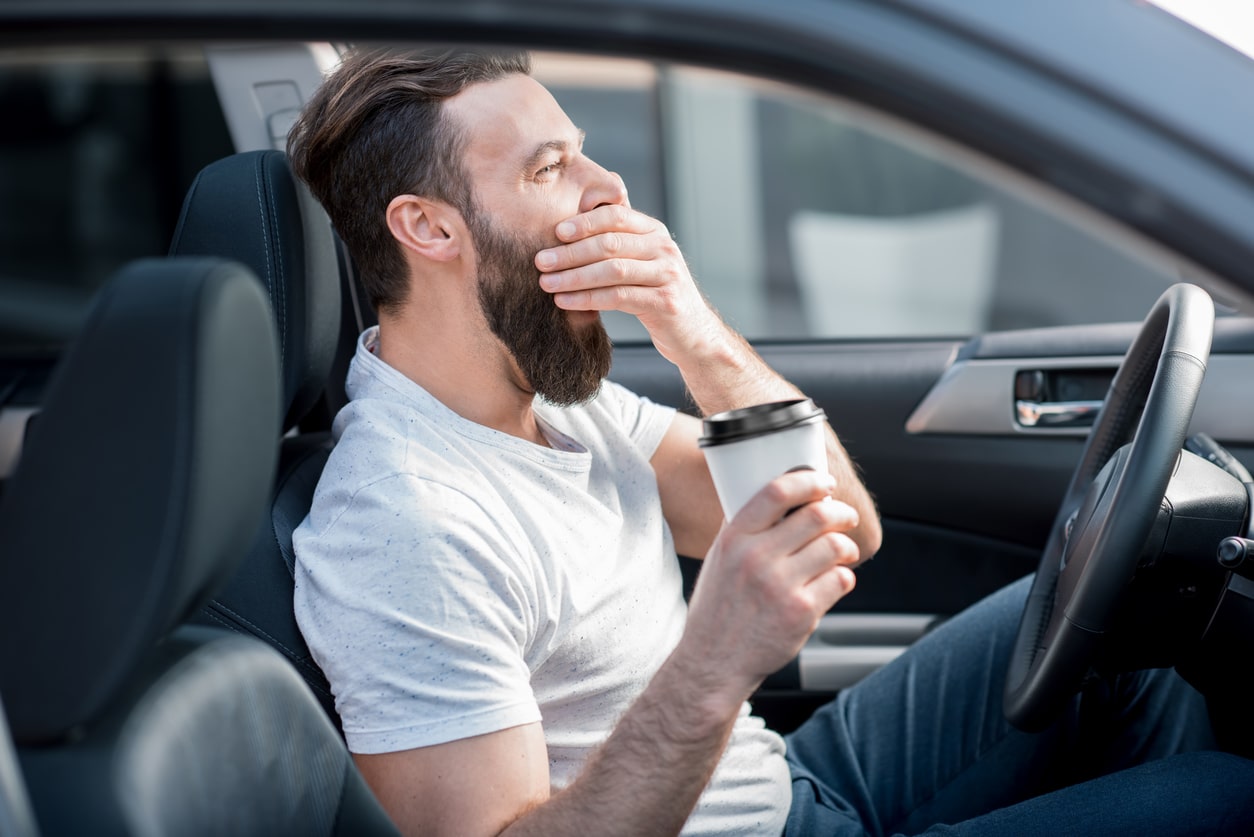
pixel 16 817
pixel 140 483
pixel 248 207
pixel 143 480
pixel 258 598
pixel 226 741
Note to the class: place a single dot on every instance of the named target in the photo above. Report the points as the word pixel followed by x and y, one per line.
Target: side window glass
pixel 100 144
pixel 803 217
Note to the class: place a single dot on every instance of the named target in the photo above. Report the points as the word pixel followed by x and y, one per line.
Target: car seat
pixel 142 481
pixel 248 207
pixel 16 817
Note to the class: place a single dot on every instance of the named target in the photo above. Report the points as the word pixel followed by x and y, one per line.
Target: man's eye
pixel 547 170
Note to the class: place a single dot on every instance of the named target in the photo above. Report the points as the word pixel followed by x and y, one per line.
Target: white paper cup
pixel 747 448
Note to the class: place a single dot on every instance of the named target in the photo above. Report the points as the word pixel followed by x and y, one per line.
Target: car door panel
pixel 966 507
pixel 966 493
pixel 940 551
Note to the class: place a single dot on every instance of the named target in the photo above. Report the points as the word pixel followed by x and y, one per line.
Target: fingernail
pixel 565 229
pixel 546 258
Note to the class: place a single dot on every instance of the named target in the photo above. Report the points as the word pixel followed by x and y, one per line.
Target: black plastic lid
pixel 747 422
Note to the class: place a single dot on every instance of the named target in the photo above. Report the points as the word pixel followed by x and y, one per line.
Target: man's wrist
pixel 707 696
pixel 729 373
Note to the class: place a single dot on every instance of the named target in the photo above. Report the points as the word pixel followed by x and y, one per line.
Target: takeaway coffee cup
pixel 749 447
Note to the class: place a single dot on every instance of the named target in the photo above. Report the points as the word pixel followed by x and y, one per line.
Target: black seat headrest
pixel 142 483
pixel 248 207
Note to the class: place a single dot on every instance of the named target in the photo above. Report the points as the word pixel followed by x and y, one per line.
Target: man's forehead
pixel 509 117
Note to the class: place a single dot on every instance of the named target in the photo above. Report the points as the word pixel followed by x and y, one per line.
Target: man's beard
pixel 563 365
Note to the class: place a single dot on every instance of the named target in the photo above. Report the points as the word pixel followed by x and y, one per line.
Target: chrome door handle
pixel 1056 413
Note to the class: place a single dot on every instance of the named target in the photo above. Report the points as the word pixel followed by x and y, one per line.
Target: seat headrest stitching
pixel 280 270
pixel 272 282
pixel 184 213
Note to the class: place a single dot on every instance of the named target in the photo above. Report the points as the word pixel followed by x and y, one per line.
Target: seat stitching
pixel 259 631
pixel 272 284
pixel 281 273
pixel 293 658
pixel 256 628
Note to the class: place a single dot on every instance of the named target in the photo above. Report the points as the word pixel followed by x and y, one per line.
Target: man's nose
pixel 604 187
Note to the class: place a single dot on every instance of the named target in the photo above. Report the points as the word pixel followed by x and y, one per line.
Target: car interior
pixel 111 696
pixel 278 230
pixel 231 337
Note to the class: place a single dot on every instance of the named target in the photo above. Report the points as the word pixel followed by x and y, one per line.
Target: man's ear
pixel 429 228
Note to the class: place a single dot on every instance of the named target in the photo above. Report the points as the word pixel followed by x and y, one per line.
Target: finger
pixel 812 519
pixel 819 556
pixel 610 273
pixel 606 218
pixel 795 488
pixel 614 244
pixel 831 586
pixel 628 299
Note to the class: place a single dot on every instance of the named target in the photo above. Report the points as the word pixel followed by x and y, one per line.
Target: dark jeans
pixel 922 746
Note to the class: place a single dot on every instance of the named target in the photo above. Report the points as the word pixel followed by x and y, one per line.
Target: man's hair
pixel 376 129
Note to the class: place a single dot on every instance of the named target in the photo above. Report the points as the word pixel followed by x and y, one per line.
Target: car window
pixel 98 148
pixel 801 216
pixel 805 217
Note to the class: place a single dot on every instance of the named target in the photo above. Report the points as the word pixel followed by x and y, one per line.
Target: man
pixel 488 574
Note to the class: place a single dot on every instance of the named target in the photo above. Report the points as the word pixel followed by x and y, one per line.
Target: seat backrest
pixel 147 453
pixel 248 207
pixel 142 482
pixel 16 817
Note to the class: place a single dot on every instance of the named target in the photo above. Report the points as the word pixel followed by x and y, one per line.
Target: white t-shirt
pixel 453 580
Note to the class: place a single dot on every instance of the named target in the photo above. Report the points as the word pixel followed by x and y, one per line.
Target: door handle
pixel 1056 413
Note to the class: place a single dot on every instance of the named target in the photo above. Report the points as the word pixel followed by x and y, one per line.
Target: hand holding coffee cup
pixel 747 448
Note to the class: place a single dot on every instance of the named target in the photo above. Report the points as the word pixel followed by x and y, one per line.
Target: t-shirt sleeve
pixel 419 620
pixel 645 421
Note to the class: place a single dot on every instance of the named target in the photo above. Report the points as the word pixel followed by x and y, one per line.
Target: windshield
pixel 1229 21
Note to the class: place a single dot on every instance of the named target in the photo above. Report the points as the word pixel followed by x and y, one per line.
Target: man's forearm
pixel 767 580
pixel 649 774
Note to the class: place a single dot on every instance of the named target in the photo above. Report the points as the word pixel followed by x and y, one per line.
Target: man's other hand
pixel 767 581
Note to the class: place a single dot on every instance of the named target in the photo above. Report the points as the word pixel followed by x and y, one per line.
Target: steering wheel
pixel 1110 506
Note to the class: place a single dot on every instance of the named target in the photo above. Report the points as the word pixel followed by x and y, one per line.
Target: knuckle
pixel 816 515
pixel 765 579
pixel 834 544
pixel 775 492
pixel 763 569
pixel 797 601
pixel 612 244
pixel 755 560
pixel 668 303
pixel 800 607
pixel 842 547
pixel 836 514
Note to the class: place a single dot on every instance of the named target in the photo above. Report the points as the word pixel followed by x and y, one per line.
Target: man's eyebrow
pixel 545 148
